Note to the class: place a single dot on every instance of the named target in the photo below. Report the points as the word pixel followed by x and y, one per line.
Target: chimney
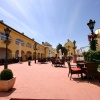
pixel 22 33
pixel 42 43
pixel 33 39
pixel 1 21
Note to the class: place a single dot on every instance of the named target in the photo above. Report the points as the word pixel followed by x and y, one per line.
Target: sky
pixel 52 21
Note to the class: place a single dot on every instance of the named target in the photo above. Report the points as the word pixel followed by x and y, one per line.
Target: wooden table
pixel 81 65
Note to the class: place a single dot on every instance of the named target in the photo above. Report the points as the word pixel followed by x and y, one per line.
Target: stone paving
pixel 44 81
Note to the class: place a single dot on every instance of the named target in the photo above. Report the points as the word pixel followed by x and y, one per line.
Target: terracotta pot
pixel 6 85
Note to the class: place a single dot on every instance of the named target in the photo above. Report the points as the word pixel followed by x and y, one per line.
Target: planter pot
pixel 6 85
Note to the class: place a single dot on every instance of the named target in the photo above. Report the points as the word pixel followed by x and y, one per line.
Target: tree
pixel 63 49
pixel 59 46
pixel 93 44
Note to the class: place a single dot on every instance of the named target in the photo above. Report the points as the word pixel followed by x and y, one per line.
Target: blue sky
pixel 53 21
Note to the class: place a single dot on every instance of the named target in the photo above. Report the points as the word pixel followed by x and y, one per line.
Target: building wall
pixel 48 48
pixel 47 52
pixel 98 38
pixel 54 52
pixel 69 46
pixel 98 46
pixel 13 48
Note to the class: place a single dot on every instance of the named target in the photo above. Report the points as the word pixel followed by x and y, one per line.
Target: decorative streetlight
pixel 93 36
pixel 91 25
pixel 74 42
pixel 35 44
pixel 20 52
pixel 7 32
pixel 74 56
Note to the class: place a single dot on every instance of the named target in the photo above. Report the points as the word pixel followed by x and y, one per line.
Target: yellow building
pixel 54 52
pixel 20 45
pixel 48 47
pixel 70 47
pixel 98 38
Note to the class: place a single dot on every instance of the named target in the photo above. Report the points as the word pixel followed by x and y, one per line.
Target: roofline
pixel 14 30
pixel 67 42
pixel 18 31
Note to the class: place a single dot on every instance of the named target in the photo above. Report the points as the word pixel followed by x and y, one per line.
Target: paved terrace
pixel 43 81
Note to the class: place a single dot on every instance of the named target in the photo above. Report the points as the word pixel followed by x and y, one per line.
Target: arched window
pixel 18 41
pixel 28 45
pixel 3 37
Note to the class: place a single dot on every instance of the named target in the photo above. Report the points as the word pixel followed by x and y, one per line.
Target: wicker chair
pixel 91 70
pixel 73 70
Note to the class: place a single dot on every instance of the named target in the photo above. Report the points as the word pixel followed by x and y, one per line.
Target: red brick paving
pixel 44 81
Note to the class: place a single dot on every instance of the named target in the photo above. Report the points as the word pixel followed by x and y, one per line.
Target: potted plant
pixel 6 80
pixel 91 56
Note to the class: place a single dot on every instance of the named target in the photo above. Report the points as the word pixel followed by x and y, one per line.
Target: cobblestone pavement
pixel 44 81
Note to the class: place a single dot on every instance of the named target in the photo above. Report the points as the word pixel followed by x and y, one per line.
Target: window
pixel 33 46
pixel 28 45
pixel 18 41
pixel 3 37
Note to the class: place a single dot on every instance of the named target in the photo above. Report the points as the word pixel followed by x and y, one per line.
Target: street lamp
pixel 7 32
pixel 92 37
pixel 91 25
pixel 35 44
pixel 74 42
pixel 74 56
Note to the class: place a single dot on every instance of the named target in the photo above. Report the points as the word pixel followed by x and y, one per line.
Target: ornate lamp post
pixel 93 36
pixel 35 44
pixel 7 32
pixel 74 42
pixel 74 56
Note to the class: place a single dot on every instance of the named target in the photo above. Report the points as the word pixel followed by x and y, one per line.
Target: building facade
pixel 98 38
pixel 48 47
pixel 20 45
pixel 70 47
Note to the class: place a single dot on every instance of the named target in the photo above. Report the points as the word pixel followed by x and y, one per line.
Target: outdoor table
pixel 98 61
pixel 81 65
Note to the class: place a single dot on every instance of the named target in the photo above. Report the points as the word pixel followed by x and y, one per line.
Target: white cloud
pixel 19 25
pixel 19 5
pixel 74 18
pixel 7 14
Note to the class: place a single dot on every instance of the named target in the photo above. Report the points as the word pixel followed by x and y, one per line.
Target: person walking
pixel 29 60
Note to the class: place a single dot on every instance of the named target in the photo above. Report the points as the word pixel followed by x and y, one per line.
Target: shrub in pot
pixel 6 74
pixel 6 80
pixel 90 55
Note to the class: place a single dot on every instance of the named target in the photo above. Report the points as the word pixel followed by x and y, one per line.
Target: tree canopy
pixel 63 49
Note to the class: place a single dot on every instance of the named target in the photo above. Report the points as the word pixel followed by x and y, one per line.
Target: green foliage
pixel 93 44
pixel 63 49
pixel 6 74
pixel 59 46
pixel 91 55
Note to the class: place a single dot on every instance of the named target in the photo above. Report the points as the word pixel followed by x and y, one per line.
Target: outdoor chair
pixel 62 62
pixel 73 70
pixel 53 62
pixel 79 61
pixel 91 70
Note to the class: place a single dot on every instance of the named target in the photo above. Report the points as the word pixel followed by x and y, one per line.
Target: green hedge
pixel 91 55
pixel 6 74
